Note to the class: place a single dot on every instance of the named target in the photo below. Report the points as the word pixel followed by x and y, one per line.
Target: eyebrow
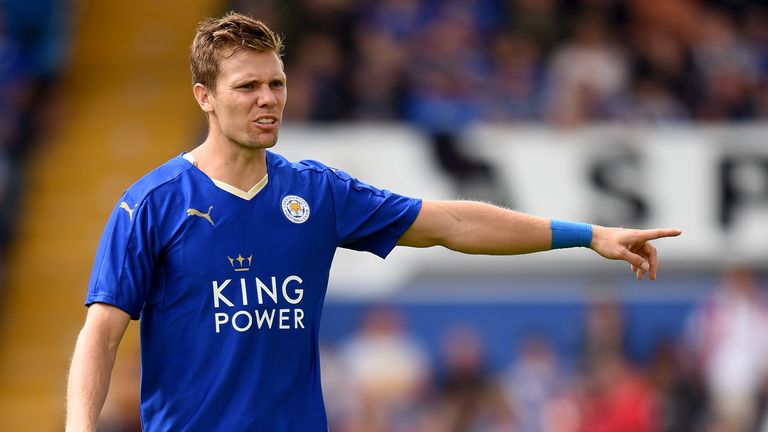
pixel 244 81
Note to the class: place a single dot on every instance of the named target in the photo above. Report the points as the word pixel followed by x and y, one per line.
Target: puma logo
pixel 124 205
pixel 198 213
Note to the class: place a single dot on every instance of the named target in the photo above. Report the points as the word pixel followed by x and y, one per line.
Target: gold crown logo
pixel 241 263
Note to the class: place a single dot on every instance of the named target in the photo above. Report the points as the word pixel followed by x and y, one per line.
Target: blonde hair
pixel 217 38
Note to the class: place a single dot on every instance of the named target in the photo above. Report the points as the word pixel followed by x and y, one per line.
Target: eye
pixel 277 84
pixel 247 86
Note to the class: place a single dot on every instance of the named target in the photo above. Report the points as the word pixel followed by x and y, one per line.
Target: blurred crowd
pixel 34 38
pixel 443 64
pixel 713 379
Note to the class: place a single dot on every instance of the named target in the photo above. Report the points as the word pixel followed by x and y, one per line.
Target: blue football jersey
pixel 230 288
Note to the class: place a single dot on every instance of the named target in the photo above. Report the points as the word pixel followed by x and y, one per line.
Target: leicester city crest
pixel 295 209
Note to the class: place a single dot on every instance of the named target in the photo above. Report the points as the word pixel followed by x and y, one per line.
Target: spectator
pixel 378 81
pixel 386 373
pixel 516 84
pixel 651 101
pixel 33 48
pixel 15 86
pixel 321 62
pixel 725 336
pixel 534 385
pixel 540 21
pixel 588 75
pixel 613 397
pixel 662 67
pixel 680 394
pixel 727 67
pixel 470 398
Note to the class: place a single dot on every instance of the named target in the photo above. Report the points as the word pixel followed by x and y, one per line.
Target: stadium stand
pixel 128 71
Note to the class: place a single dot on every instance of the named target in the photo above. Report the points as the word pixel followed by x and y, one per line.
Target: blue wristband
pixel 570 234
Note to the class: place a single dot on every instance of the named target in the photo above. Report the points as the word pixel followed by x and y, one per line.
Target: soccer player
pixel 224 253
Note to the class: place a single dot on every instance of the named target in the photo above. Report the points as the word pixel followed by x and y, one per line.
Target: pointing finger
pixel 653 234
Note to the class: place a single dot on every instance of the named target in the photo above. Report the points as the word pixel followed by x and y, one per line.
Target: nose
pixel 266 97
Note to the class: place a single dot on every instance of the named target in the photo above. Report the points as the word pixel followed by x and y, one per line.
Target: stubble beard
pixel 254 142
pixel 246 139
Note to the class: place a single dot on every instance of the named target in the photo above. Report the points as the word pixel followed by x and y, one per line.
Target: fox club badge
pixel 295 209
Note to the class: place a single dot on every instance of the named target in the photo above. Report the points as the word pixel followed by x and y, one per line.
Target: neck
pixel 231 163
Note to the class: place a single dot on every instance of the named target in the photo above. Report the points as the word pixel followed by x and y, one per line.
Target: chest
pixel 277 233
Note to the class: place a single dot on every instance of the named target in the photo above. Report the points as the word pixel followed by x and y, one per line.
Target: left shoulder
pixel 309 170
pixel 303 167
pixel 312 172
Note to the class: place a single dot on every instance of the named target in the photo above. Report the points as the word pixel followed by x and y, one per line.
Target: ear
pixel 204 97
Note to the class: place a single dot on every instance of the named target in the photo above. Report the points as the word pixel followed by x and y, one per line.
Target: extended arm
pixel 479 228
pixel 92 363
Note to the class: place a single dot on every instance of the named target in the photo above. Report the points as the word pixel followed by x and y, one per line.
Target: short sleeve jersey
pixel 229 288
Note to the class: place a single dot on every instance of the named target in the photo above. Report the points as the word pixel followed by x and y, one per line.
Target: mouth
pixel 266 121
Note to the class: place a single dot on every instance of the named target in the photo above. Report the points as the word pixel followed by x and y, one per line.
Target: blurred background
pixel 637 113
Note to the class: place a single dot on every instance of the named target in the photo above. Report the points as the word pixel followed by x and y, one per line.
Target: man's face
pixel 249 99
